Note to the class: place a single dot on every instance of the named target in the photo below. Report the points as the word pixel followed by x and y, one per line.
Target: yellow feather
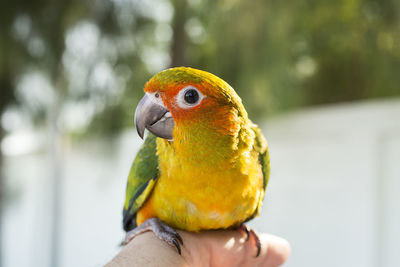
pixel 196 195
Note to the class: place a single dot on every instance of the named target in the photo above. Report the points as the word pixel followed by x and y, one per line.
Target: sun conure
pixel 204 164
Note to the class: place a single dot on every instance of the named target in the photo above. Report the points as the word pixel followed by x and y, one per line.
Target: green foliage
pixel 278 55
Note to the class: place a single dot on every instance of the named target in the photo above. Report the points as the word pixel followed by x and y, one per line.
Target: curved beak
pixel 153 117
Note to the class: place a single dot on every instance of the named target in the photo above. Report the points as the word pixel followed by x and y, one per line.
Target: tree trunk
pixel 2 184
pixel 6 98
pixel 179 38
pixel 54 152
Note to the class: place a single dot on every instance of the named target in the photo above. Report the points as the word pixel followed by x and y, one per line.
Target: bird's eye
pixel 189 97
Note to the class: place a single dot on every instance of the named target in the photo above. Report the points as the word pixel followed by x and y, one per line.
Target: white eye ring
pixel 180 98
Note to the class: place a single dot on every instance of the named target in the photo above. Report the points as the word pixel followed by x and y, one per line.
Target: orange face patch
pixel 218 97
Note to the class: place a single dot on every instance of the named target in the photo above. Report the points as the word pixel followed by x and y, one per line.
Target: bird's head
pixel 179 99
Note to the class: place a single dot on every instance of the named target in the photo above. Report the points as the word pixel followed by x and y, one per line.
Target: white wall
pixel 334 192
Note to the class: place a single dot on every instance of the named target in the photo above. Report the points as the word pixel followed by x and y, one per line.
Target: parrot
pixel 204 165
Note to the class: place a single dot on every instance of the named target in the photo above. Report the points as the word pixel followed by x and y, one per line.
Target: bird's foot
pixel 160 229
pixel 251 234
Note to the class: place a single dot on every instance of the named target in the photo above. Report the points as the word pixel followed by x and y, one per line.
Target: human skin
pixel 206 249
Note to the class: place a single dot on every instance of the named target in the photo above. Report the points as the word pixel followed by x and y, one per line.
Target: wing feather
pixel 261 147
pixel 142 178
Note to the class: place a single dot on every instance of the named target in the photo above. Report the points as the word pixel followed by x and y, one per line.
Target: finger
pixel 230 248
pixel 277 250
pixel 212 248
pixel 274 251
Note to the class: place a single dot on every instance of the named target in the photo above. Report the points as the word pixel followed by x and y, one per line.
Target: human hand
pixel 209 249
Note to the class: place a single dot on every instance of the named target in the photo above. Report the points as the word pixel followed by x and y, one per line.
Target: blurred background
pixel 322 79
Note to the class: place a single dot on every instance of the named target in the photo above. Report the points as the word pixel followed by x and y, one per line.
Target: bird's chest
pixel 193 197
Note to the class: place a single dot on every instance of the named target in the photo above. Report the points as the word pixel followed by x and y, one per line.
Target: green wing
pixel 261 146
pixel 142 178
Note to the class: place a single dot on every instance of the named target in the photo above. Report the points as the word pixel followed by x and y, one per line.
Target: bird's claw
pixel 160 229
pixel 250 233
